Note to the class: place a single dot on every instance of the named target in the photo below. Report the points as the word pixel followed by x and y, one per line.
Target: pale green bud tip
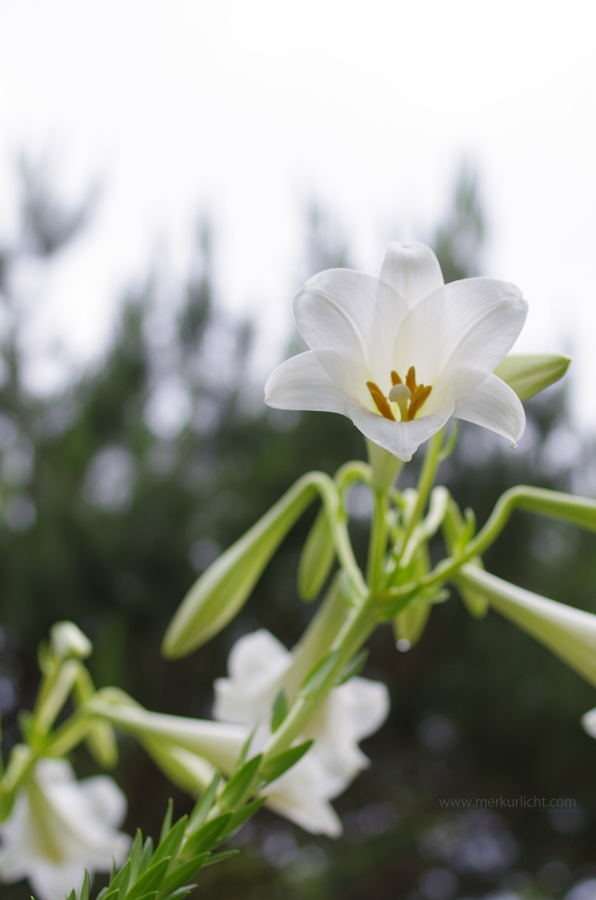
pixel 67 640
pixel 531 373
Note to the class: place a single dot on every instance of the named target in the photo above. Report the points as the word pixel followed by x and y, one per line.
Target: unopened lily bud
pixel 409 625
pixel 67 640
pixel 568 632
pixel 220 743
pixel 531 373
pixel 316 558
pixel 222 590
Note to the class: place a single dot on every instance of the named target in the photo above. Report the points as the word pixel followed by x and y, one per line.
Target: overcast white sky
pixel 246 107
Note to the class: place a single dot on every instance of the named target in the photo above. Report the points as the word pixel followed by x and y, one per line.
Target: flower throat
pixel 410 397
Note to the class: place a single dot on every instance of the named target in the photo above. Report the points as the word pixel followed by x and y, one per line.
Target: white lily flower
pixel 257 666
pixel 59 827
pixel 402 353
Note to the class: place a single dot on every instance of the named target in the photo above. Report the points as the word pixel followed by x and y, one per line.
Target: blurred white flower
pixel 257 665
pixel 59 827
pixel 401 354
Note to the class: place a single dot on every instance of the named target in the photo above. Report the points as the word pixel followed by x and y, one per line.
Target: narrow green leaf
pixel 167 821
pixel 135 856
pixel 243 815
pixel 219 857
pixel 121 880
pixel 281 762
pixel 181 893
pixel 203 806
pixel 171 843
pixel 152 895
pixel 354 667
pixel 316 558
pixel 111 895
pixel 241 784
pixel 280 710
pixel 317 677
pixel 150 881
pixel 147 857
pixel 84 895
pixel 71 896
pixel 206 837
pixel 181 876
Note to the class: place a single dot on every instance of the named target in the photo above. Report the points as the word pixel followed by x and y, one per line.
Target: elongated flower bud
pixel 316 558
pixel 569 632
pixel 221 591
pixel 217 742
pixel 67 640
pixel 531 373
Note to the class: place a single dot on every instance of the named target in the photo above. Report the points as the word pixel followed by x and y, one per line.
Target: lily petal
pixel 495 406
pixel 485 317
pixel 457 337
pixel 400 438
pixel 412 270
pixel 335 311
pixel 302 383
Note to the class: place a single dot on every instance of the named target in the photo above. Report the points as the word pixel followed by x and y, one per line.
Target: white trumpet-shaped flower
pixel 257 665
pixel 402 353
pixel 59 827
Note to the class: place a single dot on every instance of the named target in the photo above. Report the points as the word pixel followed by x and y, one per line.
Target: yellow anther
pixel 380 400
pixel 418 399
pixel 411 380
pixel 410 397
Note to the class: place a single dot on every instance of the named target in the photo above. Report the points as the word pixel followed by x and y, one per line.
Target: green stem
pixel 425 482
pixel 352 636
pixel 378 539
pixel 580 511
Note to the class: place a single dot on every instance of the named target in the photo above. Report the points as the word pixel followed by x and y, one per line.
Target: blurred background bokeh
pixel 125 475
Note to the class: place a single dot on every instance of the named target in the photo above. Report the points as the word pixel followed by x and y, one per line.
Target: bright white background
pixel 247 107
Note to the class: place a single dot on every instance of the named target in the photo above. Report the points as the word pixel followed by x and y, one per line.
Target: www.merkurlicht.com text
pixel 507 803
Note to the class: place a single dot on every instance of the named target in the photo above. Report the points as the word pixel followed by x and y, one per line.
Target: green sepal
pixel 528 374
pixel 279 711
pixel 281 762
pixel 316 558
pixel 241 784
pixel 354 667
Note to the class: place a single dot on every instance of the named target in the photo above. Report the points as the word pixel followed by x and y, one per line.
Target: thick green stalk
pixel 425 482
pixel 378 539
pixel 352 636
